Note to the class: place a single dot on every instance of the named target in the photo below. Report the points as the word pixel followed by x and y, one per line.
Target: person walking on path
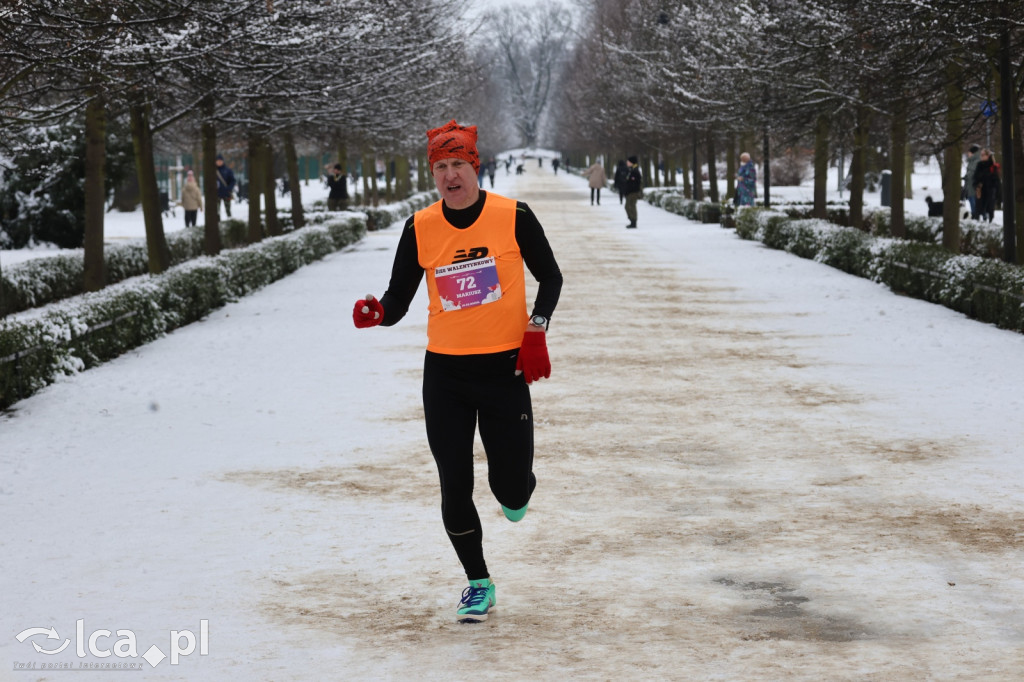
pixel 225 184
pixel 973 156
pixel 596 177
pixel 986 185
pixel 633 188
pixel 746 181
pixel 483 348
pixel 191 199
pixel 619 180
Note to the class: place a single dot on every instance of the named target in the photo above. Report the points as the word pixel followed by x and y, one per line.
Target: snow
pixel 750 466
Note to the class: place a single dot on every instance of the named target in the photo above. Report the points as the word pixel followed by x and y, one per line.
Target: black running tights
pixel 459 392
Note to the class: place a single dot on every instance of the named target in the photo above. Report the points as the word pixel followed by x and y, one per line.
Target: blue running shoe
pixel 514 515
pixel 477 600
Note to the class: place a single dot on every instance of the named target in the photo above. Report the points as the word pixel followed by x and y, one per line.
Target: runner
pixel 483 349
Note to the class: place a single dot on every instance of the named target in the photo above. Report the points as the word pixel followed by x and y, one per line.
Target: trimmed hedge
pixel 78 333
pixel 69 336
pixel 42 281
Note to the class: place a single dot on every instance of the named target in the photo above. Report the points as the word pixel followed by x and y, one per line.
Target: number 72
pixel 466 283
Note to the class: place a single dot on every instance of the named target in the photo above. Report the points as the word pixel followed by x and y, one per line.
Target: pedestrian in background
pixel 225 184
pixel 191 199
pixel 337 182
pixel 986 185
pixel 633 188
pixel 973 156
pixel 597 179
pixel 746 181
pixel 619 181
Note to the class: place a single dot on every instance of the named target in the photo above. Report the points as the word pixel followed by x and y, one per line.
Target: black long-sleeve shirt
pixel 406 273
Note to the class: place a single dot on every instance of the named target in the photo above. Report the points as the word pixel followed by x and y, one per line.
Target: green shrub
pixel 82 331
pixel 45 280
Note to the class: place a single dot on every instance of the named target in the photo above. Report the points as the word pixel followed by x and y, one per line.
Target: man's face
pixel 456 182
pixel 220 162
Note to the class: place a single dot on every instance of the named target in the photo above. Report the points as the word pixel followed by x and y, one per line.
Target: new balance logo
pixel 472 254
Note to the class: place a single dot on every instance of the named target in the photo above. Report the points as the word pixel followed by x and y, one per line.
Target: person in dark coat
pixel 619 180
pixel 986 185
pixel 633 188
pixel 225 184
pixel 337 181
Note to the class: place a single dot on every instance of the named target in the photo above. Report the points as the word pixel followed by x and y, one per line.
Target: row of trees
pixel 301 74
pixel 683 80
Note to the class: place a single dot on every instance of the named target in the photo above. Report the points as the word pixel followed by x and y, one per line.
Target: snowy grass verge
pixel 976 284
pixel 985 289
pixel 78 333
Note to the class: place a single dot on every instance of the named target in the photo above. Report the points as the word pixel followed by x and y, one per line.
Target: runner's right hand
pixel 367 312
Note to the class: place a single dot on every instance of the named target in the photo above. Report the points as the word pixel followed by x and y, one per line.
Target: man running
pixel 483 348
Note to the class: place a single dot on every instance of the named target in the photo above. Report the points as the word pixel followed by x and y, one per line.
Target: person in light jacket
pixel 595 174
pixel 191 199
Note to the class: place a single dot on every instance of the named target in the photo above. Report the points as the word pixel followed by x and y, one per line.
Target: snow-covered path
pixel 751 467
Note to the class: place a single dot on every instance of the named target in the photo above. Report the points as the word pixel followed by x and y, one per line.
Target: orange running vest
pixel 486 327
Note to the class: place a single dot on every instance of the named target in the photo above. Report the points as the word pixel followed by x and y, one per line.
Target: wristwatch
pixel 539 321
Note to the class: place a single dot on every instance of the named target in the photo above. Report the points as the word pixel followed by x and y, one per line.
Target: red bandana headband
pixel 452 141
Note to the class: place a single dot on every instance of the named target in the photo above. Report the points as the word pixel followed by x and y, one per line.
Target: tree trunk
pixel 421 173
pixel 908 165
pixel 767 175
pixel 730 166
pixel 1018 181
pixel 858 167
pixel 898 157
pixel 402 171
pixel 292 161
pixel 142 141
pixel 687 185
pixel 94 274
pixel 270 189
pixel 822 129
pixel 951 160
pixel 211 228
pixel 698 183
pixel 712 170
pixel 374 185
pixel 255 186
pixel 367 172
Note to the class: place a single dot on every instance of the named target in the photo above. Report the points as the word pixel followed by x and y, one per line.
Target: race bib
pixel 467 284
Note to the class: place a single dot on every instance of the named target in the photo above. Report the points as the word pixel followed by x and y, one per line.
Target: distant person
pixel 225 184
pixel 619 180
pixel 973 156
pixel 191 199
pixel 633 188
pixel 554 164
pixel 596 179
pixel 746 181
pixel 986 185
pixel 337 182
pixel 492 166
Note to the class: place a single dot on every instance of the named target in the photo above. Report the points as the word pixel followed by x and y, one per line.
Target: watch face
pixel 539 320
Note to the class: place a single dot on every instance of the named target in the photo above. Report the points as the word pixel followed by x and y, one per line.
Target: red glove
pixel 367 312
pixel 533 362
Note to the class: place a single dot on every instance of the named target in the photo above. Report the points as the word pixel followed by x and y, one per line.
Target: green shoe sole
pixel 514 515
